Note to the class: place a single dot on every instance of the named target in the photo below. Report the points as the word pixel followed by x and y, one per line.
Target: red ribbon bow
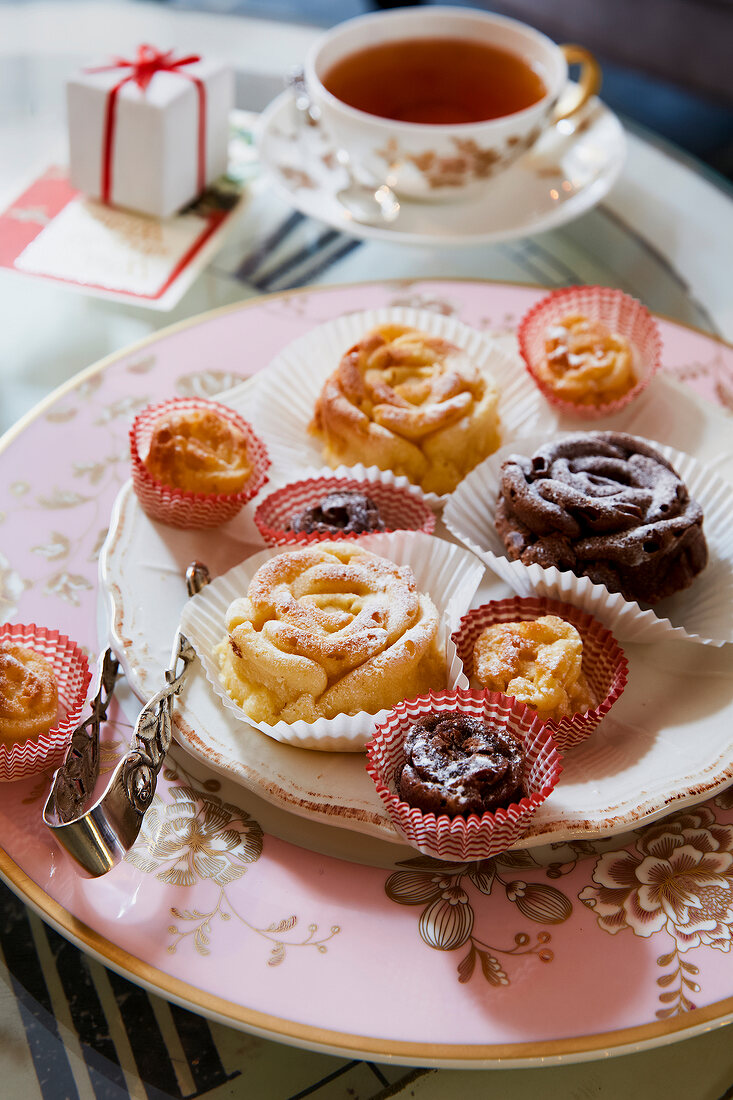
pixel 148 62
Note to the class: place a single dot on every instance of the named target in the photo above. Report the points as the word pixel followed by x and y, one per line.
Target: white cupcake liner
pixel 402 507
pixel 447 573
pixel 282 411
pixel 702 613
pixel 284 475
pixel 472 837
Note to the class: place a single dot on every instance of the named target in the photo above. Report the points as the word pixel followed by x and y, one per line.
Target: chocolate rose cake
pixel 603 505
pixel 457 764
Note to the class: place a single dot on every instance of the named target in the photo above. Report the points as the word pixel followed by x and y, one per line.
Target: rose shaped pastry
pixel 607 506
pixel 412 403
pixel 457 764
pixel 538 661
pixel 327 630
pixel 585 362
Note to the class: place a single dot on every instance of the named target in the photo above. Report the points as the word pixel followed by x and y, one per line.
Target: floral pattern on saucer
pixel 566 172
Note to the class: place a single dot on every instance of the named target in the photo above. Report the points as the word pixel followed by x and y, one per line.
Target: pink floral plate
pixel 348 944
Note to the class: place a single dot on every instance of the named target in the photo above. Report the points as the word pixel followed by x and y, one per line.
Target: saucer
pixel 570 169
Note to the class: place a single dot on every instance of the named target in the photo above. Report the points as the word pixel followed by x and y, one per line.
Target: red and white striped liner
pixel 73 674
pixel 604 662
pixel 401 509
pixel 619 312
pixel 185 509
pixel 473 837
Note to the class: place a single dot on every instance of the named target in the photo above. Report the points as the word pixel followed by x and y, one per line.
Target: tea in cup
pixel 434 102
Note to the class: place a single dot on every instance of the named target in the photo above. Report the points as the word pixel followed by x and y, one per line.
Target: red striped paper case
pixel 187 510
pixel 604 662
pixel 73 674
pixel 619 312
pixel 473 837
pixel 401 509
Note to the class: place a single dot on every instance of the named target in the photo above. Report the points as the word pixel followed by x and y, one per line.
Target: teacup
pixel 512 79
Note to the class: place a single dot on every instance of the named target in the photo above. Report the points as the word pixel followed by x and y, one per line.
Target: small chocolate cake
pixel 347 512
pixel 457 764
pixel 607 506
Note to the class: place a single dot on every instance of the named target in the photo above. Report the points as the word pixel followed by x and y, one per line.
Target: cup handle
pixel 588 84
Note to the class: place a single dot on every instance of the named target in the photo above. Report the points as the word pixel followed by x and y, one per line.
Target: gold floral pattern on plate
pixel 207 383
pixel 297 177
pixel 12 587
pixel 199 837
pixel 678 879
pixel 196 837
pixel 447 918
pixel 714 371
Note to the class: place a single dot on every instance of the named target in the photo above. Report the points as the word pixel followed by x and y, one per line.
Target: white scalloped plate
pixel 286 393
pixel 667 741
pixel 702 613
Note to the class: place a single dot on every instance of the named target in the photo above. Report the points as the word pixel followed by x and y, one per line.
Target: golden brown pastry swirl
pixel 331 629
pixel 198 451
pixel 585 362
pixel 409 402
pixel 28 694
pixel 539 662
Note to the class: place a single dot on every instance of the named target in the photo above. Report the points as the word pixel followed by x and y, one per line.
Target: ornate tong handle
pixel 99 836
pixel 74 781
pixel 152 735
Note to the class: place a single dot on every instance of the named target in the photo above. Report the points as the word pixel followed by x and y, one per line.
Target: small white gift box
pixel 149 132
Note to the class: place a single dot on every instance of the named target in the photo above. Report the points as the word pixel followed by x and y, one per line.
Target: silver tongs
pixel 99 836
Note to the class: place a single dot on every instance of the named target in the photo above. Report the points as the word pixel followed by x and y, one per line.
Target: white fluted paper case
pixel 285 475
pixel 449 574
pixel 702 613
pixel 283 411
